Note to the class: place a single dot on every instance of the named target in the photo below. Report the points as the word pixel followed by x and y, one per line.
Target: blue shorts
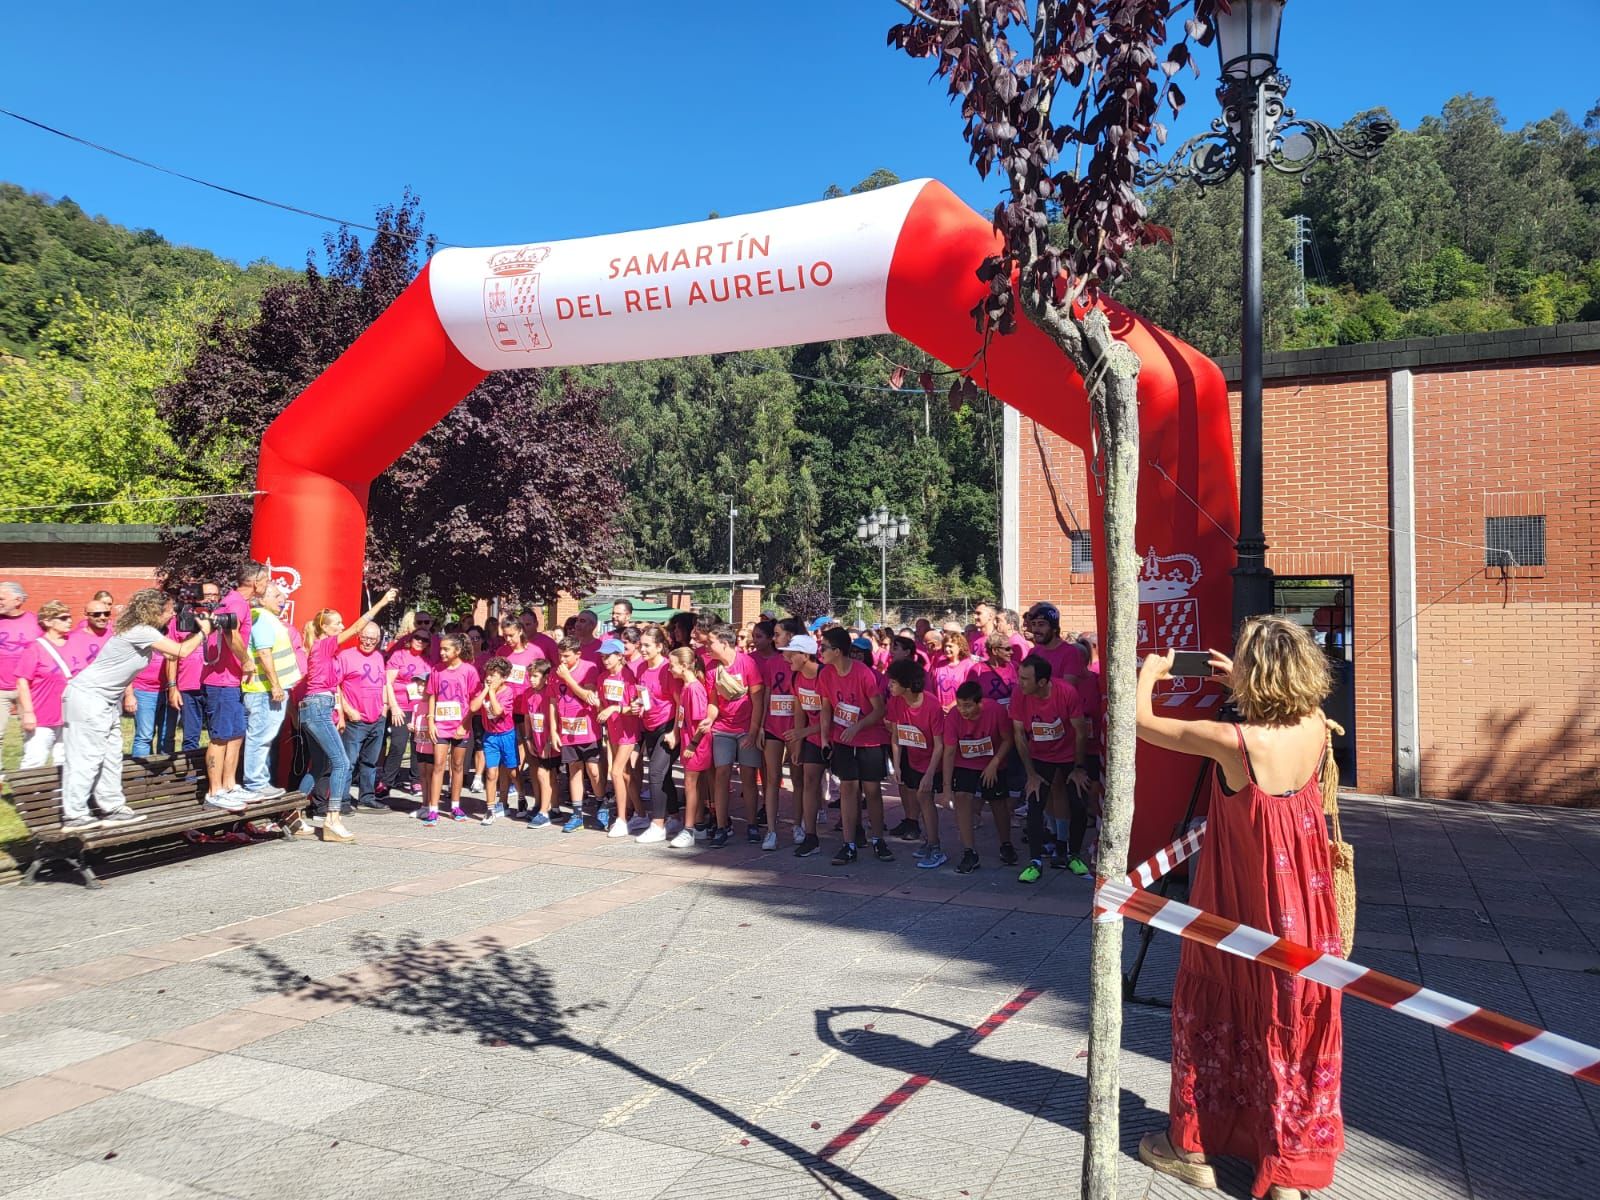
pixel 224 712
pixel 500 749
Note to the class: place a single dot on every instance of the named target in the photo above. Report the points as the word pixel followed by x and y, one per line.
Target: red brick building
pixel 73 562
pixel 1433 512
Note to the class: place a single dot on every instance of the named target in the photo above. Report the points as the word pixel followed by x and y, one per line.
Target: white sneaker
pixel 799 834
pixel 616 830
pixel 653 834
pixel 674 827
pixel 770 842
pixel 683 841
pixel 226 801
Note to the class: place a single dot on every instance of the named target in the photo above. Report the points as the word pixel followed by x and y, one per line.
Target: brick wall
pixel 1508 659
pixel 72 573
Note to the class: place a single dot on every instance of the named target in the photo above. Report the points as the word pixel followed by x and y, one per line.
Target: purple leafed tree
pixel 511 495
pixel 1063 97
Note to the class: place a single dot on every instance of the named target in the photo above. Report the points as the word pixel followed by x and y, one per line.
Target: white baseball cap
pixel 801 643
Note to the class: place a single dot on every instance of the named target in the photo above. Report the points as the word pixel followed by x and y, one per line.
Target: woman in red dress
pixel 1256 1053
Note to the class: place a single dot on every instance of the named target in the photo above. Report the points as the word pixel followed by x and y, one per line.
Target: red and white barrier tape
pixel 1387 991
pixel 1167 858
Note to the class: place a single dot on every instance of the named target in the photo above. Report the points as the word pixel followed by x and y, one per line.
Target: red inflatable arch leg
pixel 899 260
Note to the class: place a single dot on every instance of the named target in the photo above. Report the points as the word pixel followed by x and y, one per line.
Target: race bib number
pixel 414 689
pixel 810 702
pixel 846 714
pixel 612 690
pixel 574 727
pixel 780 706
pixel 1049 731
pixel 538 722
pixel 447 711
pixel 519 674
pixel 976 747
pixel 910 736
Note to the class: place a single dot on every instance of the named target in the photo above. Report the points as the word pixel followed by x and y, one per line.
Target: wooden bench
pixel 168 789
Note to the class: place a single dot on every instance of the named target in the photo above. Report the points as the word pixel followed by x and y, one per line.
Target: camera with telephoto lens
pixel 192 604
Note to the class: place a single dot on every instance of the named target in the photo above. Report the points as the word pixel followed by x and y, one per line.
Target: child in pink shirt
pixel 917 726
pixel 777 678
pixel 697 712
pixel 494 705
pixel 541 752
pixel 619 714
pixel 577 731
pixel 450 691
pixel 977 742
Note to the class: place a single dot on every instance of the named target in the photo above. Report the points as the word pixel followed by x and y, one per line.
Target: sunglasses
pixel 60 617
pixel 99 612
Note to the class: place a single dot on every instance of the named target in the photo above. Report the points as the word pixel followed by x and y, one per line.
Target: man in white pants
pixel 92 711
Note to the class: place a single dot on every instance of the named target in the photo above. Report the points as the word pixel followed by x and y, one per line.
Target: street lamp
pixel 1255 131
pixel 882 529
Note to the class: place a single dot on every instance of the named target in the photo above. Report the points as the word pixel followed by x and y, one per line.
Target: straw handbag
pixel 1341 854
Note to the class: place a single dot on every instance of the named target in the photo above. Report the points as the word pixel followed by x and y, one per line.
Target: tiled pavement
pixel 471 1012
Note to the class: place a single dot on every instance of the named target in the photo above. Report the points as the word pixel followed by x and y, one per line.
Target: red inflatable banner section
pixel 900 260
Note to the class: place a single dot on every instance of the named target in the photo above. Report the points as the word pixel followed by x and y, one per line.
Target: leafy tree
pixel 515 493
pixel 78 422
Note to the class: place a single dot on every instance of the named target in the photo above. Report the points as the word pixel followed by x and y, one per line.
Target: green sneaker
pixel 1030 873
pixel 1077 866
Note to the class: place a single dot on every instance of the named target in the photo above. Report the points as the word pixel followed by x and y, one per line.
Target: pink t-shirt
pixel 979 739
pixel 548 644
pixel 778 680
pixel 1065 658
pixel 151 678
pixel 577 719
pixel 591 653
pixel 733 712
pixel 620 691
pixel 46 683
pixel 660 686
pixel 411 671
pixel 226 670
pixel 16 635
pixel 808 702
pixel 915 728
pixel 507 699
pixel 1047 722
pixel 850 697
pixel 537 705
pixel 84 646
pixel 998 683
pixel 1019 647
pixel 361 681
pixel 322 674
pixel 948 676
pixel 517 681
pixel 1087 686
pixel 452 689
pixel 693 704
pixel 189 665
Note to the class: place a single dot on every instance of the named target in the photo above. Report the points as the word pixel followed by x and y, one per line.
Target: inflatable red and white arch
pixel 897 260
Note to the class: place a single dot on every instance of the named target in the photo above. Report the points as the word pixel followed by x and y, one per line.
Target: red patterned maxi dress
pixel 1256 1053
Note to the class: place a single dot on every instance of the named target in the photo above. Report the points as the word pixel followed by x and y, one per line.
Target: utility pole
pixel 732 513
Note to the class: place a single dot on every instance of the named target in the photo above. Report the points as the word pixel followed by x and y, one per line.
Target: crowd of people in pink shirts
pixel 658 732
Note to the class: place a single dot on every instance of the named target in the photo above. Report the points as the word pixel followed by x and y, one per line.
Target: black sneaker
pixel 907 831
pixel 1058 861
pixel 719 838
pixel 881 849
pixel 968 863
pixel 1008 854
pixel 371 802
pixel 808 846
pixel 846 855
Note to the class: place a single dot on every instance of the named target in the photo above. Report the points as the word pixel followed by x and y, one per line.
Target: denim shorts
pixel 223 708
pixel 726 750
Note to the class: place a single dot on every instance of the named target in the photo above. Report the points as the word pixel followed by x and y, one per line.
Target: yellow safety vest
pixel 282 654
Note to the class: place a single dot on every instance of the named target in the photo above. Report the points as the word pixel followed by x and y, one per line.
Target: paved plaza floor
pixel 471 1012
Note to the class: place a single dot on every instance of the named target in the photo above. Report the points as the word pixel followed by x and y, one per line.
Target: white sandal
pixel 1156 1150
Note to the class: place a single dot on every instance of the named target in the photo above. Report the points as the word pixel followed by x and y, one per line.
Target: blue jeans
pixel 193 719
pixel 263 719
pixel 155 724
pixel 316 718
pixel 363 742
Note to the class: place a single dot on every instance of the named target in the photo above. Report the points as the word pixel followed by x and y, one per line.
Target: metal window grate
pixel 1513 541
pixel 1082 553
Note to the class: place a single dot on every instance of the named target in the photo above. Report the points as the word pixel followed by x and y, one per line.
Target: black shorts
pixel 968 779
pixel 811 755
pixel 1014 775
pixel 553 763
pixel 587 752
pixel 864 764
pixel 911 779
pixel 1091 767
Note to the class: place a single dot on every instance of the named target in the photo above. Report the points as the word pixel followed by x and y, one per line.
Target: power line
pixel 218 187
pixel 145 500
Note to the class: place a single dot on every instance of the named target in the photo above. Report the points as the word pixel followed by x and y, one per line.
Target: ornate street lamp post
pixel 1255 131
pixel 881 529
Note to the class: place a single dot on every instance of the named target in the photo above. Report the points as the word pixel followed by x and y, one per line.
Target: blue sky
pixel 532 121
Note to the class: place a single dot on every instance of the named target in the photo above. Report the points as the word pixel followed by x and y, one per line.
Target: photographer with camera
pixel 92 711
pixel 182 676
pixel 227 655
